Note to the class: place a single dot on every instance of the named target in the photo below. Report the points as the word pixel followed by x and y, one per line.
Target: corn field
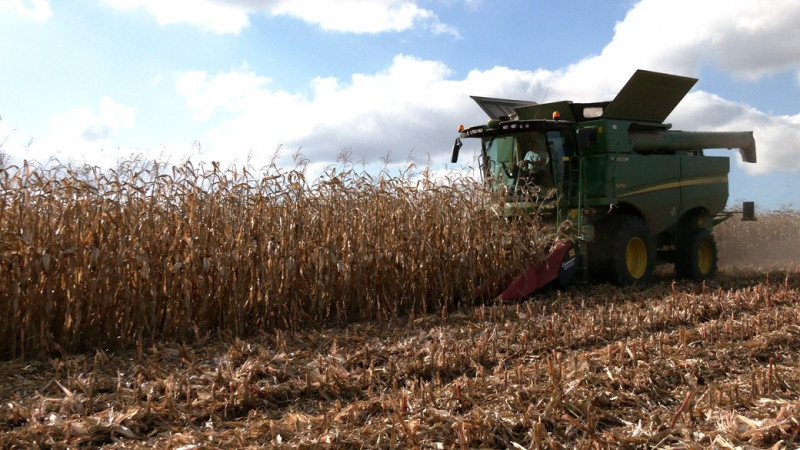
pixel 144 252
pixel 252 309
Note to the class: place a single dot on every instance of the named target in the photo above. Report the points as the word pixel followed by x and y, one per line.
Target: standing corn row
pixel 106 258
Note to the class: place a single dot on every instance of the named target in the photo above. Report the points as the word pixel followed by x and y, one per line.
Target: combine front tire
pixel 696 257
pixel 627 251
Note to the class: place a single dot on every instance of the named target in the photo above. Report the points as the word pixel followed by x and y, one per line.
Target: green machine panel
pixel 704 183
pixel 650 184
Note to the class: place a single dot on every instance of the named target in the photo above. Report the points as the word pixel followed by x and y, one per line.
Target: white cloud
pixel 411 107
pixel 10 141
pixel 776 136
pixel 472 4
pixel 360 16
pixel 414 105
pixel 38 10
pixel 231 92
pixel 79 134
pixel 350 16
pixel 211 15
pixel 746 38
pixel 248 116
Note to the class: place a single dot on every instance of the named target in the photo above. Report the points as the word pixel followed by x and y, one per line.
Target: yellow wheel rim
pixel 636 258
pixel 705 258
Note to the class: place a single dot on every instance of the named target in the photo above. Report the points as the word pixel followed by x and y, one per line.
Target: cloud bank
pixel 348 16
pixel 38 10
pixel 80 128
pixel 413 105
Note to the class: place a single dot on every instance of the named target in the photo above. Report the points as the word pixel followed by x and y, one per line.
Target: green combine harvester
pixel 635 192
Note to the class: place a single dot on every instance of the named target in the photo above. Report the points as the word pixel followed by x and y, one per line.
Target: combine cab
pixel 635 192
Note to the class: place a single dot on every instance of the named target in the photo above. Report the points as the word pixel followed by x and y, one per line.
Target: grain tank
pixel 634 192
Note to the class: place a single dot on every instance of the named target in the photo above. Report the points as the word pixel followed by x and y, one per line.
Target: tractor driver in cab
pixel 533 166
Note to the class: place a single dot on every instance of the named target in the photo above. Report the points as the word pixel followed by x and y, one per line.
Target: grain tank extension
pixel 634 192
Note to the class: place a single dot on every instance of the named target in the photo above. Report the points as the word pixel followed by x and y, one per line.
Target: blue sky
pixel 234 81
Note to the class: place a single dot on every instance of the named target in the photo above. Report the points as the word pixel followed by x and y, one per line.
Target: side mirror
pixel 749 211
pixel 456 147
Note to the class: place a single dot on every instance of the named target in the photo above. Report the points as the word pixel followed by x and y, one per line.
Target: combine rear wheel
pixel 696 255
pixel 625 251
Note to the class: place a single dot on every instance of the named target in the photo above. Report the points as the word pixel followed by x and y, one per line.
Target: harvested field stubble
pixel 146 253
pixel 681 365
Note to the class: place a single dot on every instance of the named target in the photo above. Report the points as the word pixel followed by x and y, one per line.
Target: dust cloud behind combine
pixel 771 242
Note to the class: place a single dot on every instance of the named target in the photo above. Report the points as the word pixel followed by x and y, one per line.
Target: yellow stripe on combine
pixel 677 184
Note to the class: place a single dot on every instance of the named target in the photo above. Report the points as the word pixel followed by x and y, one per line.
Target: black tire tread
pixel 686 264
pixel 607 254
